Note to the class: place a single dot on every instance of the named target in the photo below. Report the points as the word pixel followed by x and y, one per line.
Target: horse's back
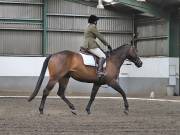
pixel 65 52
pixel 74 57
pixel 70 63
pixel 63 61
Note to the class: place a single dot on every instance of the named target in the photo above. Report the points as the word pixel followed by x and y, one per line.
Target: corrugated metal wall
pixel 67 21
pixel 14 10
pixel 21 28
pixel 152 37
pixel 20 42
pixel 21 25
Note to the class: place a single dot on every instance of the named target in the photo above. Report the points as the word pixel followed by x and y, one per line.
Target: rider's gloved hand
pixel 110 48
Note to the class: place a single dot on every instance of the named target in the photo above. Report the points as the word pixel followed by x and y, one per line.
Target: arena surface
pixel 19 117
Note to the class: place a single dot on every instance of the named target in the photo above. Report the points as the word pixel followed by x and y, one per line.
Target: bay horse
pixel 66 64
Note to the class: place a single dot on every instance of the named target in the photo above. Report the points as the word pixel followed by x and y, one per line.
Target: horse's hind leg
pixel 46 92
pixel 62 87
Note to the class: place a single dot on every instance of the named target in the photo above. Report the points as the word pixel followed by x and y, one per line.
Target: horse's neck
pixel 119 61
pixel 119 57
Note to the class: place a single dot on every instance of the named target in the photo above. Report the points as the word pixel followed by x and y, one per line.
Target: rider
pixel 90 35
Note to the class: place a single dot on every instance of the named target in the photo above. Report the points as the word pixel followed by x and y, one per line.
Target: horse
pixel 66 64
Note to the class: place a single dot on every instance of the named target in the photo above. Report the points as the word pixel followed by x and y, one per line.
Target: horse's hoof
pixel 88 112
pixel 74 111
pixel 126 111
pixel 41 112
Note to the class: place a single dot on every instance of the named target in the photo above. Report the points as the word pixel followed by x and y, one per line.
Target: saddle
pixel 90 59
pixel 87 52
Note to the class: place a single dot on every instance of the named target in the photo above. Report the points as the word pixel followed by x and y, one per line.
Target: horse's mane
pixel 114 51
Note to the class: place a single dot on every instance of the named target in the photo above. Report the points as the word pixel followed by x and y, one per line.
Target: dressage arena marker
pixel 87 97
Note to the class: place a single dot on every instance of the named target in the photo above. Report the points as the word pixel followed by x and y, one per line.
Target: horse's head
pixel 132 56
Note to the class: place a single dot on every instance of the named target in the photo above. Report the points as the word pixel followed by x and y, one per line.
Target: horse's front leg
pixel 93 95
pixel 114 84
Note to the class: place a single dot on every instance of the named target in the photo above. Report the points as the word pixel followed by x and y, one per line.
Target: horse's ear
pixel 131 44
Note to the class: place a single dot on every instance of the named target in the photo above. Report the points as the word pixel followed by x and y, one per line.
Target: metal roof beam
pixel 143 7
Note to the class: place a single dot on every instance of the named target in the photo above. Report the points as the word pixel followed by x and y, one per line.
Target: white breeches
pixel 98 52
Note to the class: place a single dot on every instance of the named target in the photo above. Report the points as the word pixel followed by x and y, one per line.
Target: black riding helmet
pixel 92 19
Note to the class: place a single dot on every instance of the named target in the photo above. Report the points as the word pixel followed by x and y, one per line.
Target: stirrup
pixel 100 74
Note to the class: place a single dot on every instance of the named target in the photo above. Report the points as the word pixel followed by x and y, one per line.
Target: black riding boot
pixel 100 67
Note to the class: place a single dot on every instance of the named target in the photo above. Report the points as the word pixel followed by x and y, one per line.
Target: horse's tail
pixel 40 80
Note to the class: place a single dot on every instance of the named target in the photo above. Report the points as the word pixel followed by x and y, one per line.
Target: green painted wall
pixel 174 41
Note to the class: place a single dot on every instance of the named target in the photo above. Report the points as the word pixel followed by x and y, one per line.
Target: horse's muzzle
pixel 138 63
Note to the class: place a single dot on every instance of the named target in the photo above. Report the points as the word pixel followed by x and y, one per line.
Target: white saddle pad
pixel 89 60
